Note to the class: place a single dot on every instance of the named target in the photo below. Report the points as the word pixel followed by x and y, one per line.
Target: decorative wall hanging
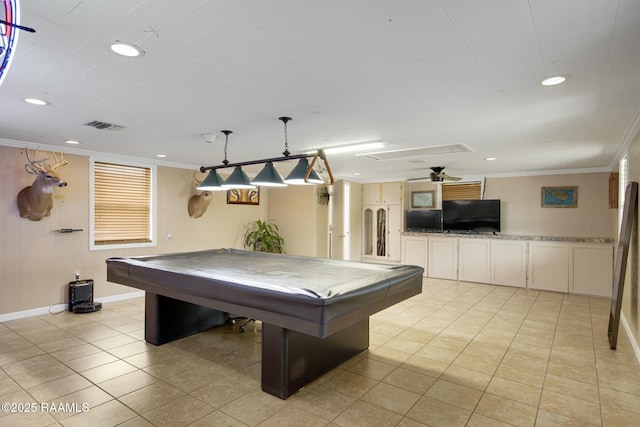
pixel 423 199
pixel 243 196
pixel 559 197
pixel 35 201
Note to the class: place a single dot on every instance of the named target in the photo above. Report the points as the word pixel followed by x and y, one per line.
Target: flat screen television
pixel 471 215
pixel 424 220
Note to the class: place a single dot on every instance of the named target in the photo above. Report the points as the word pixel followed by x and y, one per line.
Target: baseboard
pixel 632 338
pixel 62 307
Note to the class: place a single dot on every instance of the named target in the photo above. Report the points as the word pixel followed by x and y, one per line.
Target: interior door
pixel 340 208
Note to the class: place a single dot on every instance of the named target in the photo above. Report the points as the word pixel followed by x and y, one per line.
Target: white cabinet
pixel 414 251
pixel 592 269
pixel 474 260
pixel 382 233
pixel 442 258
pixel 549 266
pixel 382 221
pixel 509 262
pixel 386 193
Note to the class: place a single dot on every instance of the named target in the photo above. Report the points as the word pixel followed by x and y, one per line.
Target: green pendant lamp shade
pixel 238 179
pixel 269 177
pixel 296 177
pixel 213 182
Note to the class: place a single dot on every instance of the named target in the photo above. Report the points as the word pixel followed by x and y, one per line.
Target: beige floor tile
pixel 466 377
pixel 475 363
pixel 370 368
pixel 548 419
pixel 523 375
pixel 291 416
pixel 90 361
pixel 108 371
pixel 75 352
pixel 323 402
pixel 179 412
pixel 523 393
pixel 351 384
pixel 573 388
pixel 619 399
pixel 454 394
pixel 619 418
pixel 478 420
pixel 90 397
pixel 111 413
pixel 127 383
pixel 506 410
pixel 222 392
pixel 151 397
pixel 391 398
pixel 432 412
pixel 364 414
pixel 409 380
pixel 570 406
pixel 254 408
pixel 58 387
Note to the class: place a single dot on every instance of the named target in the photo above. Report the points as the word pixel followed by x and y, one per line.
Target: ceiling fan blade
pixel 450 178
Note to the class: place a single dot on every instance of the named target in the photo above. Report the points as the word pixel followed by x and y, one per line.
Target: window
pixel 122 205
pixel 466 191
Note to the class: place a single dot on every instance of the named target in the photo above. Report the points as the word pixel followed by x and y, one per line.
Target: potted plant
pixel 263 236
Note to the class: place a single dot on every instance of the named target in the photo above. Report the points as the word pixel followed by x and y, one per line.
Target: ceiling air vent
pixel 414 153
pixel 103 125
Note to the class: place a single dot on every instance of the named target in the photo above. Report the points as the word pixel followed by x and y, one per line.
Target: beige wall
pixel 37 262
pixel 522 214
pixel 301 220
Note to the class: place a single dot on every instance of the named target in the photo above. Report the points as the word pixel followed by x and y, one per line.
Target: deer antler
pixel 58 164
pixel 36 163
pixel 199 181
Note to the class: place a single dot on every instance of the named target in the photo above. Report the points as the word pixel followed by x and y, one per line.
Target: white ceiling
pixel 414 73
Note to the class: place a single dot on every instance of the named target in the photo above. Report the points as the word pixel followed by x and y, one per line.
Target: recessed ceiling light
pixel 490 158
pixel 36 101
pixel 554 80
pixel 161 155
pixel 72 141
pixel 127 49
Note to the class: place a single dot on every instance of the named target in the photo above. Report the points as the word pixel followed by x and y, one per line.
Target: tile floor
pixel 459 354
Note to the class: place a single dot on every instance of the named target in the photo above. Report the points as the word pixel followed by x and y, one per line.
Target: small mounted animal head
pixel 35 201
pixel 198 203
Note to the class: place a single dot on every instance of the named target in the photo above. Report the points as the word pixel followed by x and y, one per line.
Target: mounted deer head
pixel 199 203
pixel 35 201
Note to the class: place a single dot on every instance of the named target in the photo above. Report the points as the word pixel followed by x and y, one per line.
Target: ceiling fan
pixel 437 175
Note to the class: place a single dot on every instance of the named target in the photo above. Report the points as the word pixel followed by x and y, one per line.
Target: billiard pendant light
pixel 213 182
pixel 237 179
pixel 296 177
pixel 269 177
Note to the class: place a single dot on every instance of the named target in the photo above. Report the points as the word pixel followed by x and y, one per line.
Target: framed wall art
pixel 559 197
pixel 243 196
pixel 423 199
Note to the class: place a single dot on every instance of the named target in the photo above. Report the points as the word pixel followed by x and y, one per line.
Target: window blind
pixel 465 191
pixel 122 204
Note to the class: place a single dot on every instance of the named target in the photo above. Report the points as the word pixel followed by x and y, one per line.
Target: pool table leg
pixel 168 319
pixel 291 360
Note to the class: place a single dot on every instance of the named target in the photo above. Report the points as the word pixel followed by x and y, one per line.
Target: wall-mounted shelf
pixel 69 230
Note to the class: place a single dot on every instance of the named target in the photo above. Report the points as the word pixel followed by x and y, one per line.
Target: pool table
pixel 314 311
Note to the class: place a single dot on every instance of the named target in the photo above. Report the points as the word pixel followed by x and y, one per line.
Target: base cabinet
pixel 443 258
pixel 549 266
pixel 509 263
pixel 414 251
pixel 592 269
pixel 474 260
pixel 568 267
